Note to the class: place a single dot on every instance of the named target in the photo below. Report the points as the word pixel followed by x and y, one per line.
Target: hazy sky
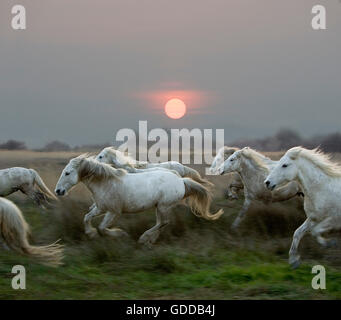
pixel 84 69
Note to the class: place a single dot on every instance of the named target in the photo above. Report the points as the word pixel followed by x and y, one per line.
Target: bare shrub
pixel 56 146
pixel 13 145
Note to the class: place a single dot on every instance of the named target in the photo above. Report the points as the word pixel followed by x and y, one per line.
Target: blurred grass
pixel 193 258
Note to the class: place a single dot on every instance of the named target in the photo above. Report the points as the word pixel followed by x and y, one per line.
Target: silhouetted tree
pixel 13 145
pixel 331 143
pixel 56 146
pixel 287 139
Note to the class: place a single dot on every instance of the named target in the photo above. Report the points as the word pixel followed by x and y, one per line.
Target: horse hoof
pixel 145 242
pixel 295 264
pixel 120 233
pixel 231 196
pixel 235 226
pixel 92 234
pixel 332 243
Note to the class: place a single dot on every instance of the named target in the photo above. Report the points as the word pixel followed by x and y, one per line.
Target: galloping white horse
pixel 14 233
pixel 25 180
pixel 320 180
pixel 117 158
pixel 115 192
pixel 236 182
pixel 253 168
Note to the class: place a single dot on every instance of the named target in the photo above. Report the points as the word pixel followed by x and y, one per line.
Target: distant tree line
pixel 284 139
pixel 13 145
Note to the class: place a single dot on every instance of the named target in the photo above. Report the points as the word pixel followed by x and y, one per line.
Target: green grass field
pixel 194 259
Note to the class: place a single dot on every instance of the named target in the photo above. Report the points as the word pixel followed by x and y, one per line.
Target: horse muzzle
pixel 60 192
pixel 269 185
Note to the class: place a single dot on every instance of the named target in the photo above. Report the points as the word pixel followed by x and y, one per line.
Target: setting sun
pixel 175 108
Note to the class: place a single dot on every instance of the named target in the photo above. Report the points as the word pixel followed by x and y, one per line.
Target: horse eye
pixel 100 157
pixel 67 173
pixel 284 165
pixel 231 160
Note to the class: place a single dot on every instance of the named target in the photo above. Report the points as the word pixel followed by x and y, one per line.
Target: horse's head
pixel 231 164
pixel 285 170
pixel 217 162
pixel 219 159
pixel 114 157
pixel 69 177
pixel 105 156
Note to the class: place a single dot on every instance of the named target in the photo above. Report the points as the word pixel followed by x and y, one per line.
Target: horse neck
pixel 96 186
pixel 310 177
pixel 248 170
pixel 269 162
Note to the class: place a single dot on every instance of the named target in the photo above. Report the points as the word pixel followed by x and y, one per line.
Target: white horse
pixel 115 192
pixel 119 160
pixel 253 168
pixel 25 180
pixel 235 184
pixel 14 232
pixel 320 180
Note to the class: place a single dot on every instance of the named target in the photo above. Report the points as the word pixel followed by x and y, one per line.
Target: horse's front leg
pixel 294 258
pixel 241 213
pixel 231 192
pixel 109 219
pixel 324 226
pixel 90 231
pixel 234 186
pixel 92 206
pixel 150 236
pixel 286 192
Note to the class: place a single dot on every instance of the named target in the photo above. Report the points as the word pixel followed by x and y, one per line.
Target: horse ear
pixel 229 151
pixel 294 154
pixel 245 149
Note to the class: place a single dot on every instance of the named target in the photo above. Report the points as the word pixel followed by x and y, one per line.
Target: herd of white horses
pixel 120 184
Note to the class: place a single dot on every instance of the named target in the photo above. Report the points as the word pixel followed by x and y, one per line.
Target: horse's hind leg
pixel 150 236
pixel 109 219
pixel 36 196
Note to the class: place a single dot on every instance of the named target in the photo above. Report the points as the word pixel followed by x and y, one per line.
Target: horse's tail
pixel 42 186
pixel 14 231
pixel 199 200
pixel 195 175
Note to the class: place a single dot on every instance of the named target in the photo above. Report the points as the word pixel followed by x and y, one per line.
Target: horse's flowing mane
pixel 318 158
pixel 228 151
pixel 255 157
pixel 88 167
pixel 125 159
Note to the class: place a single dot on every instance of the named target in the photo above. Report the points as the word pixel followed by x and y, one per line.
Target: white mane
pixel 255 157
pixel 124 159
pixel 318 158
pixel 88 167
pixel 228 151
